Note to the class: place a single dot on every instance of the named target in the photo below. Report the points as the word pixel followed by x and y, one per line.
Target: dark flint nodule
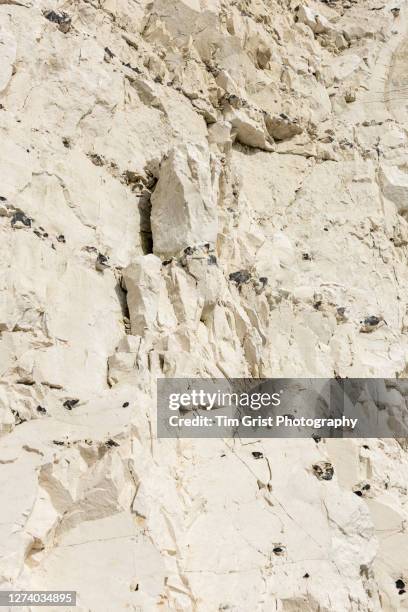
pixel 20 217
pixel 240 277
pixel 111 443
pixel 102 259
pixel 102 262
pixel 62 19
pixel 70 404
pixel 372 321
pixel 323 470
pixel 257 455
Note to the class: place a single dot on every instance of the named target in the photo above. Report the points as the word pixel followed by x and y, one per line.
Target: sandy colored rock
pixel 198 188
pixel 184 202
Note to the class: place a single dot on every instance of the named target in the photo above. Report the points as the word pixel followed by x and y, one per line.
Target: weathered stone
pixel 394 183
pixel 197 188
pixel 184 201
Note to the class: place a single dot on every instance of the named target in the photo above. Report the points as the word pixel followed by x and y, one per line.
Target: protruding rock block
pixel 394 183
pixel 148 302
pixel 184 201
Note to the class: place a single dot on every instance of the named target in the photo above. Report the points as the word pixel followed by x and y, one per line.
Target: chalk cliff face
pixel 199 188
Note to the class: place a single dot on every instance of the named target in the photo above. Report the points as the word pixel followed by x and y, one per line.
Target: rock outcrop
pixel 186 194
pixel 199 188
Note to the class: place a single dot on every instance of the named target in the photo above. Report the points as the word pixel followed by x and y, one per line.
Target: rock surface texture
pixel 199 188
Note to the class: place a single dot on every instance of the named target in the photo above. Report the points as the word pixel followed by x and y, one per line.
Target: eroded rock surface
pixel 199 188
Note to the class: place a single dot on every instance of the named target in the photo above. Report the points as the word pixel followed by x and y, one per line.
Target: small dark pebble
pixel 263 280
pixel 127 65
pixel 306 257
pixel 400 584
pixel 20 217
pixel 365 446
pixel 306 575
pixel 111 443
pixel 401 592
pixel 323 470
pixel 125 405
pixel 96 159
pixel 3 199
pixel 166 262
pixel 371 321
pixel 61 18
pixel 278 550
pixel 212 260
pixel 240 277
pixel 317 305
pixel 189 250
pixel 257 455
pixel 69 404
pixel 359 493
pixel 102 262
pixel 58 442
pixel 41 410
pixel 316 438
pixel 61 238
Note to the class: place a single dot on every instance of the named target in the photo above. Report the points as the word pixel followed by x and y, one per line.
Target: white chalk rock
pixel 394 184
pixel 184 201
pixel 315 21
pixel 149 304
